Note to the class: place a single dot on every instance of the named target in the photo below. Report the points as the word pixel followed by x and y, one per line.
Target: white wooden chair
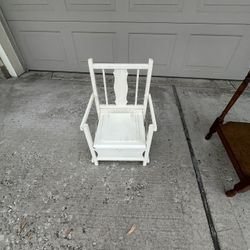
pixel 121 132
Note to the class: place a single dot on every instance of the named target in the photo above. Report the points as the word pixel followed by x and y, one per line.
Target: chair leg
pixel 146 161
pixel 94 161
pixel 90 143
pixel 240 187
pixel 148 145
pixel 213 128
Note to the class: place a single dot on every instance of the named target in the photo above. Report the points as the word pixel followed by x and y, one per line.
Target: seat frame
pixel 129 152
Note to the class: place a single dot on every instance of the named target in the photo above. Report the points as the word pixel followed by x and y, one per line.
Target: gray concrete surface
pixel 53 197
pixel 231 215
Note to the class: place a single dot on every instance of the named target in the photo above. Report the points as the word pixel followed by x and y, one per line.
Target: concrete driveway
pixel 53 197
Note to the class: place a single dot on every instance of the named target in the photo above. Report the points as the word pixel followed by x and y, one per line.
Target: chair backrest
pixel 120 72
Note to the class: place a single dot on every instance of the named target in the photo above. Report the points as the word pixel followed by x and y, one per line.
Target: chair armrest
pixel 152 113
pixel 86 114
pixel 151 129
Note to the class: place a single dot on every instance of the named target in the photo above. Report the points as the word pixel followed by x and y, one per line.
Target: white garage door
pixel 189 38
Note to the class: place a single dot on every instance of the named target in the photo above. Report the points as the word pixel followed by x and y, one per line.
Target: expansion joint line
pixel 197 173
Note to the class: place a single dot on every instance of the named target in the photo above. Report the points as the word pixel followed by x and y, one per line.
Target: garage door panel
pixel 150 45
pixel 211 51
pixel 66 47
pixel 90 5
pixel 44 46
pixel 241 59
pixel 29 5
pixel 100 46
pixel 156 5
pixel 224 6
pixel 226 2
pixel 215 51
pixel 43 49
pixel 173 11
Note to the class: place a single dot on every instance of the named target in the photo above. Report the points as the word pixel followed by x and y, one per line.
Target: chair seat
pixel 120 129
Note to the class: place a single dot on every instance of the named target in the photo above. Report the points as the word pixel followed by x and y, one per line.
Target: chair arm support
pixel 86 115
pixel 85 127
pixel 152 113
pixel 151 130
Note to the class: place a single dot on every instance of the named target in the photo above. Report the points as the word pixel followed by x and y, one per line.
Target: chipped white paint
pixel 121 133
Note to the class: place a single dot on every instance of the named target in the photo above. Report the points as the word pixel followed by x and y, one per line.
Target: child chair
pixel 121 134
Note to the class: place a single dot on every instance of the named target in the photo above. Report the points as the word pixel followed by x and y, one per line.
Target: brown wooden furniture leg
pixel 213 128
pixel 240 187
pixel 220 119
